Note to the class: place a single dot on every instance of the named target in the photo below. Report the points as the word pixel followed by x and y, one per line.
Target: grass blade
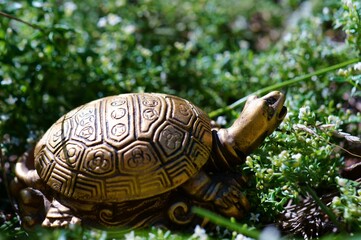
pixel 282 85
pixel 224 222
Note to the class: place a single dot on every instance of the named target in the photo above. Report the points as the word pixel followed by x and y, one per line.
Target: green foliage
pixel 299 154
pixel 349 18
pixel 77 232
pixel 224 222
pixel 347 205
pixel 304 151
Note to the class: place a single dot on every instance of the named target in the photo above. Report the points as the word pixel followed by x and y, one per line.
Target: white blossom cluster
pixel 111 19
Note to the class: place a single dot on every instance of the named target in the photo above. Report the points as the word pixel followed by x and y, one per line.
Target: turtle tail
pixel 180 213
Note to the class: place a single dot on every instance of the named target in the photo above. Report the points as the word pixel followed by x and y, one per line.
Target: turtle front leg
pixel 224 193
pixel 32 204
pixel 59 215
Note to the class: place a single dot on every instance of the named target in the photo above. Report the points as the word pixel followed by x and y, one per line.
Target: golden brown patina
pixel 137 160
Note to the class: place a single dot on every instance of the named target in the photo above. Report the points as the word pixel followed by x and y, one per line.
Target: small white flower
pixel 179 45
pixel 102 22
pixel 120 3
pixel 159 232
pixel 4 117
pixel 284 154
pixel 334 120
pixel 325 10
pixel 297 156
pixel 243 45
pixel 287 37
pixel 37 4
pixel 348 3
pixel 242 237
pixel 342 72
pixel 270 233
pixel 69 8
pixel 357 66
pixel 6 81
pixel 325 92
pixel 239 24
pixel 304 111
pixel 341 181
pixel 254 217
pixel 221 120
pixel 113 19
pixel 145 51
pixel 199 233
pixel 336 201
pixel 15 5
pixel 129 29
pixel 163 76
pixel 152 236
pixel 249 161
pixel 130 236
pixel 11 100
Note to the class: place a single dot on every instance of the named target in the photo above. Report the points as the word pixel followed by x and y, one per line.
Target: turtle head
pixel 259 118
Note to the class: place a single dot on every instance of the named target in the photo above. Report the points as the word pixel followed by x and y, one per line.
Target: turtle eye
pixel 271 100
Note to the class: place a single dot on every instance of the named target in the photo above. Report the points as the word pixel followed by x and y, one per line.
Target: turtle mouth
pixel 282 113
pixel 275 102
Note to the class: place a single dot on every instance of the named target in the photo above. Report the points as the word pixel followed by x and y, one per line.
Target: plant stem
pixel 19 20
pixel 215 218
pixel 324 208
pixel 282 85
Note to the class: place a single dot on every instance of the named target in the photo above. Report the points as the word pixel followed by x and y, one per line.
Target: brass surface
pixel 138 160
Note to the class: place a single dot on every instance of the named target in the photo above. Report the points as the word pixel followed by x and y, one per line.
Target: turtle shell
pixel 125 147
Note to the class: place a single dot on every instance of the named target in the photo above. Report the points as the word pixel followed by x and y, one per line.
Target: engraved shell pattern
pixel 125 147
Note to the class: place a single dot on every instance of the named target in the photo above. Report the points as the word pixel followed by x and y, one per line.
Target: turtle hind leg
pixel 59 215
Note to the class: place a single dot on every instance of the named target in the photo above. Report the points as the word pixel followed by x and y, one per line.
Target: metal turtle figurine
pixel 136 160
